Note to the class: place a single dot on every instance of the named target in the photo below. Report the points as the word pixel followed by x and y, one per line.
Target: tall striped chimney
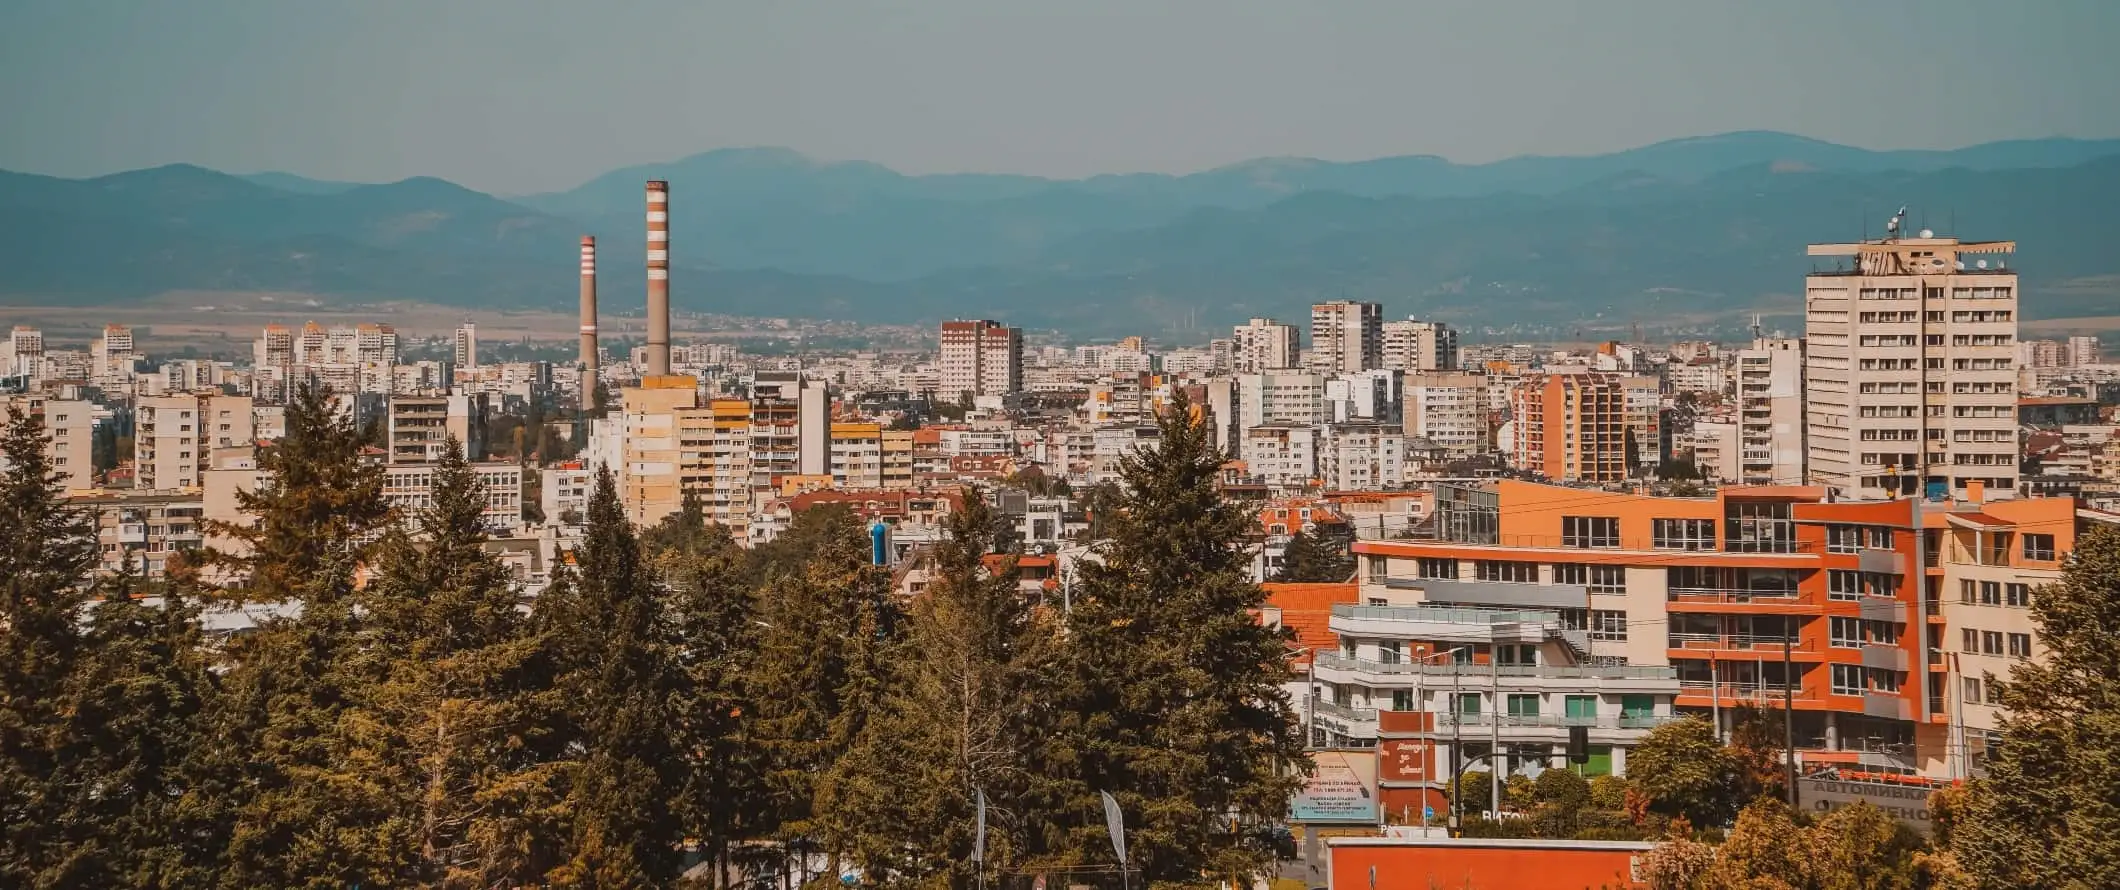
pixel 658 278
pixel 588 357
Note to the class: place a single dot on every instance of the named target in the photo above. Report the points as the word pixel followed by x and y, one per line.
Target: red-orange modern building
pixel 1425 863
pixel 1570 427
pixel 1854 612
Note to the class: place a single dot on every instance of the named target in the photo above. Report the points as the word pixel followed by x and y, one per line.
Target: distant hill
pixel 1690 228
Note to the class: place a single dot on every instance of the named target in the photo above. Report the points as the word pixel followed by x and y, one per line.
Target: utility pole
pixel 1788 716
pixel 1494 775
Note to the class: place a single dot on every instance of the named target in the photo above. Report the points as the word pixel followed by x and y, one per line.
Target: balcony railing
pixel 1729 595
pixel 1732 641
pixel 1757 691
pixel 1557 721
pixel 1445 615
pixel 1514 671
pixel 1344 712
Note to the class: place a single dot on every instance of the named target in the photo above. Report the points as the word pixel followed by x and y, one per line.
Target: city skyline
pixel 383 92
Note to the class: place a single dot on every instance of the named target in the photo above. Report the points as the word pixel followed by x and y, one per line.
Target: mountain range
pixel 1699 227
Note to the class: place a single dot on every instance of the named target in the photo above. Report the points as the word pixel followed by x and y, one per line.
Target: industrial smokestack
pixel 588 357
pixel 658 278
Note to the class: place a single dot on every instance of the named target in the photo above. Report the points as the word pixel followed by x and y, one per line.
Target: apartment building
pixel 1282 455
pixel 1279 397
pixel 1263 344
pixel 1361 456
pixel 1413 346
pixel 1571 427
pixel 25 353
pixel 147 527
pixel 1449 409
pixel 1346 337
pixel 980 358
pixel 174 436
pixel 1910 374
pixel 1371 395
pixel 1763 594
pixel 466 352
pixel 418 428
pixel 1769 383
pixel 409 490
pixel 69 436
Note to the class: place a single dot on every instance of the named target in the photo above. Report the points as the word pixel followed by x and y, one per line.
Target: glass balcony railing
pixel 1445 615
pixel 1518 671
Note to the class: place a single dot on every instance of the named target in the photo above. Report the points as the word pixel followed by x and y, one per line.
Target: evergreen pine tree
pixel 616 678
pixel 1177 692
pixel 282 790
pixel 444 733
pixel 47 549
pixel 825 624
pixel 1313 557
pixel 706 581
pixel 2048 812
pixel 137 703
pixel 963 709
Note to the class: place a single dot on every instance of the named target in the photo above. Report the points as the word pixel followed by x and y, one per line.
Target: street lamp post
pixel 1420 697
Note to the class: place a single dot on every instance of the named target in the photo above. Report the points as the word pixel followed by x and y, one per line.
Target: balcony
pixel 1738 642
pixel 1888 705
pixel 1732 596
pixel 1496 593
pixel 1336 668
pixel 1445 624
pixel 1555 723
pixel 1885 657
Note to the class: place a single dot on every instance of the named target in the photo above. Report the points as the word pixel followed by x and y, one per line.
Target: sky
pixel 519 96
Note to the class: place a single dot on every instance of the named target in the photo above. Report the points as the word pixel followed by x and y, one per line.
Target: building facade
pixel 980 358
pixel 1346 337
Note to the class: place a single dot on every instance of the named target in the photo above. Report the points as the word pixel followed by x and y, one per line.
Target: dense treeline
pixel 673 709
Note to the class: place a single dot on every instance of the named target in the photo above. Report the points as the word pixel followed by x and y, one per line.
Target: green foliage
pixel 963 711
pixel 1174 702
pixel 1608 792
pixel 1475 792
pixel 2046 815
pixel 1316 558
pixel 1684 770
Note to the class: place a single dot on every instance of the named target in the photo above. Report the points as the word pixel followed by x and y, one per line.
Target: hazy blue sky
pixel 531 95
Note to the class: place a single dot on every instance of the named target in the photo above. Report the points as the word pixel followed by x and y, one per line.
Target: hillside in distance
pixel 1657 232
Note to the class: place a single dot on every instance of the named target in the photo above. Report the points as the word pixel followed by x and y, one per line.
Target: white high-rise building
pixel 174 436
pixel 467 345
pixel 980 358
pixel 1280 397
pixel 1346 337
pixel 1263 344
pixel 1770 422
pixel 25 353
pixel 1909 373
pixel 69 436
pixel 2083 351
pixel 1420 346
pixel 1449 409
pixel 1362 456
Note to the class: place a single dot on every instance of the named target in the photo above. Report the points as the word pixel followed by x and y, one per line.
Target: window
pixel 2039 548
pixel 2017 594
pixel 1378 567
pixel 1522 705
pixel 1972 641
pixel 1972 690
pixel 1847 633
pixel 1843 538
pixel 2020 645
pixel 1991 642
pixel 1503 570
pixel 1880 538
pixel 1589 531
pixel 1599 579
pixel 1848 679
pixel 1437 567
pixel 1580 708
pixel 1684 534
pixel 1388 652
pixel 1965 591
pixel 1842 584
pixel 1884 681
pixel 1402 700
pixel 1608 625
pixel 1516 654
pixel 1991 593
pixel 1468 704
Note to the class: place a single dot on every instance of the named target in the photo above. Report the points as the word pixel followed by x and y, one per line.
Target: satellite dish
pixel 1982 264
pixel 2001 265
pixel 1960 264
pixel 1927 233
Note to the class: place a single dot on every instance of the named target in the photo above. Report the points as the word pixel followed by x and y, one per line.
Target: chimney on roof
pixel 658 278
pixel 588 359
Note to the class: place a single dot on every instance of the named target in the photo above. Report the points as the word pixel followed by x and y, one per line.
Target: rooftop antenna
pixel 1755 327
pixel 1891 226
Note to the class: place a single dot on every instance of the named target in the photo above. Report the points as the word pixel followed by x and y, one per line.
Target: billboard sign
pixel 1341 790
pixel 1907 803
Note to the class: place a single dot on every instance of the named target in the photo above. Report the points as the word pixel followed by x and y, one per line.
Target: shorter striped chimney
pixel 589 359
pixel 658 278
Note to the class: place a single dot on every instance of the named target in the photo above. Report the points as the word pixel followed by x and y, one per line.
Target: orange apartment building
pixel 1878 620
pixel 1570 427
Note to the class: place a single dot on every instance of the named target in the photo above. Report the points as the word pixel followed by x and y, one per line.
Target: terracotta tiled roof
pixel 1307 610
